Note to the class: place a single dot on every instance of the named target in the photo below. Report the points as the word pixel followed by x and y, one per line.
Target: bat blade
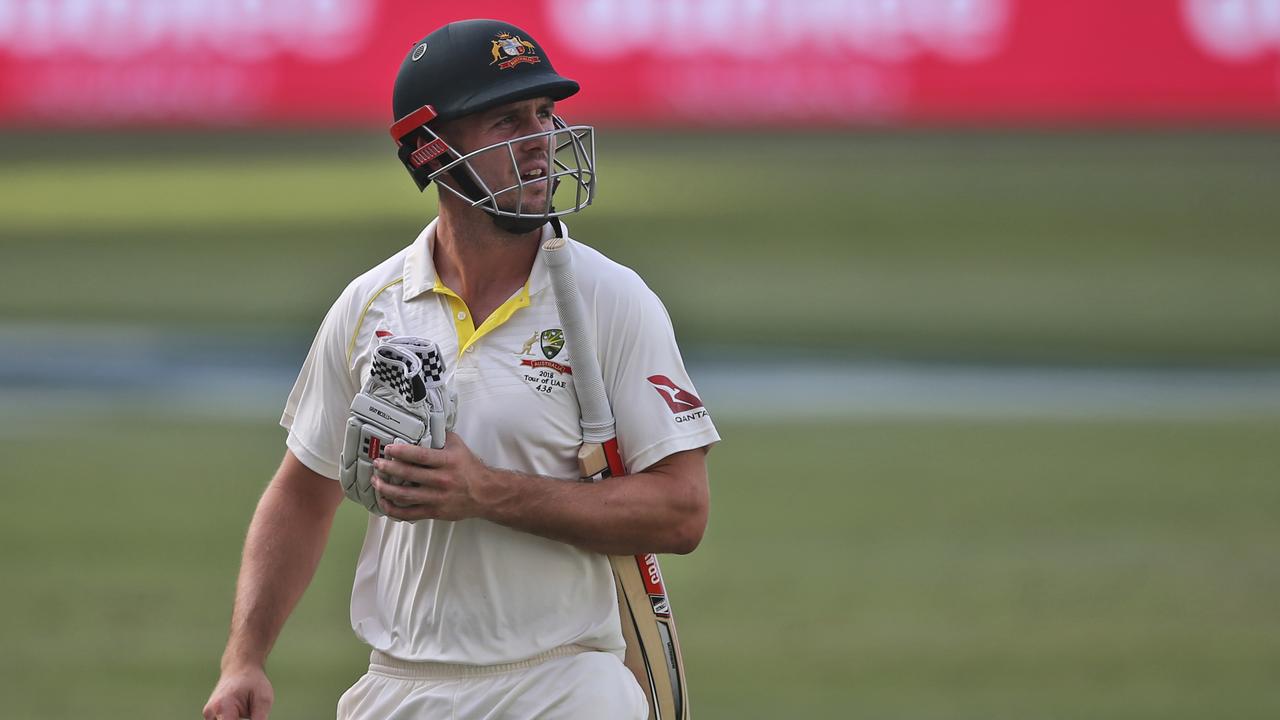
pixel 648 627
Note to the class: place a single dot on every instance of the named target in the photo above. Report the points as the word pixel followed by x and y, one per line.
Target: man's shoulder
pixel 600 275
pixel 622 301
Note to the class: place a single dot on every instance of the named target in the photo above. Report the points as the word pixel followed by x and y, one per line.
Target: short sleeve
pixel 655 405
pixel 316 412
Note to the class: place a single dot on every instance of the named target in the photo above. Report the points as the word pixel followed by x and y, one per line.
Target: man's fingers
pixel 403 495
pixel 408 513
pixel 225 709
pixel 222 709
pixel 403 473
pixel 259 708
pixel 416 454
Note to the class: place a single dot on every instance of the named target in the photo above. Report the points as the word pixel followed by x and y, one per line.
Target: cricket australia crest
pixel 552 342
pixel 544 376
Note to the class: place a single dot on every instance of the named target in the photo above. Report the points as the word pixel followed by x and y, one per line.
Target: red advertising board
pixel 651 62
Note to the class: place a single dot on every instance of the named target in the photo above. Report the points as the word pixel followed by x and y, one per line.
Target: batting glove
pixel 406 400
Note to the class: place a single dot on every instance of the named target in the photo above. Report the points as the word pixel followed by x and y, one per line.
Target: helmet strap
pixel 517 226
pixel 461 175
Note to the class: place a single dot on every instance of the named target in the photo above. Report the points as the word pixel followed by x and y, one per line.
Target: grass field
pixel 1155 247
pixel 873 568
pixel 883 570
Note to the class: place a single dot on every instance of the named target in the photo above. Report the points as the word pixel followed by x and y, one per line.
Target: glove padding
pixel 406 400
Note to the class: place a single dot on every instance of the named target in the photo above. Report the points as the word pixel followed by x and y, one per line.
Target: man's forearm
pixel 662 510
pixel 282 549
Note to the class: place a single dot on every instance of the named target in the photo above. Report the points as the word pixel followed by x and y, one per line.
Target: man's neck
pixel 483 264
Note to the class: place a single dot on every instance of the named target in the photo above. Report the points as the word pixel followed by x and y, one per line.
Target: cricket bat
pixel 653 648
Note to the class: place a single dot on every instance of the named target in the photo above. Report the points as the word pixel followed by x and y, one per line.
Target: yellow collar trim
pixel 468 333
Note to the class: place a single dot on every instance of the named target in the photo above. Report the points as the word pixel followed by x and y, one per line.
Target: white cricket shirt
pixel 474 591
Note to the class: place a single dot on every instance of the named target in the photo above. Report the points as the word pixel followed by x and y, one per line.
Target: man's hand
pixel 240 693
pixel 418 483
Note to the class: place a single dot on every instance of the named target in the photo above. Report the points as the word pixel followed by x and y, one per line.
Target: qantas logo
pixel 677 398
pixel 383 334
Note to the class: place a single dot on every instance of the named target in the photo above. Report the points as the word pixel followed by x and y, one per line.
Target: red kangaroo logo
pixel 677 398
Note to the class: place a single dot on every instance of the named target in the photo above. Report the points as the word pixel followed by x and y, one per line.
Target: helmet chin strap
pixel 517 226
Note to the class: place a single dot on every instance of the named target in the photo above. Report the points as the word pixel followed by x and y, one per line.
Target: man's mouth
pixel 534 174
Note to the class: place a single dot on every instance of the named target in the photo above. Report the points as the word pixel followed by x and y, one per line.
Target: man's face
pixel 495 167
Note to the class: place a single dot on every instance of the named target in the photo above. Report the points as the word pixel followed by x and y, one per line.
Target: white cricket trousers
pixel 568 683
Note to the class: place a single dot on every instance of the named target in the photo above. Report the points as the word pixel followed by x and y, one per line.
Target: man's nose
pixel 532 124
pixel 536 144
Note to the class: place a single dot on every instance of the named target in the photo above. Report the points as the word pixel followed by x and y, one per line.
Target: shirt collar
pixel 420 270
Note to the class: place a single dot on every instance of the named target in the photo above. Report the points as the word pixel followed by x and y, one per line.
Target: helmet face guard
pixel 571 159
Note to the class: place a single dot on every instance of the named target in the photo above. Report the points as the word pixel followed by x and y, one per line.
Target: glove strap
pixel 400 370
pixel 428 354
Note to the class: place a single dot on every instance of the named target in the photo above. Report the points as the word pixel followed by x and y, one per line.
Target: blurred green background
pixel 1135 247
pixel 855 565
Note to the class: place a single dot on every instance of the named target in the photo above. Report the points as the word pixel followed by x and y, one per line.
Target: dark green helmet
pixel 471 66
